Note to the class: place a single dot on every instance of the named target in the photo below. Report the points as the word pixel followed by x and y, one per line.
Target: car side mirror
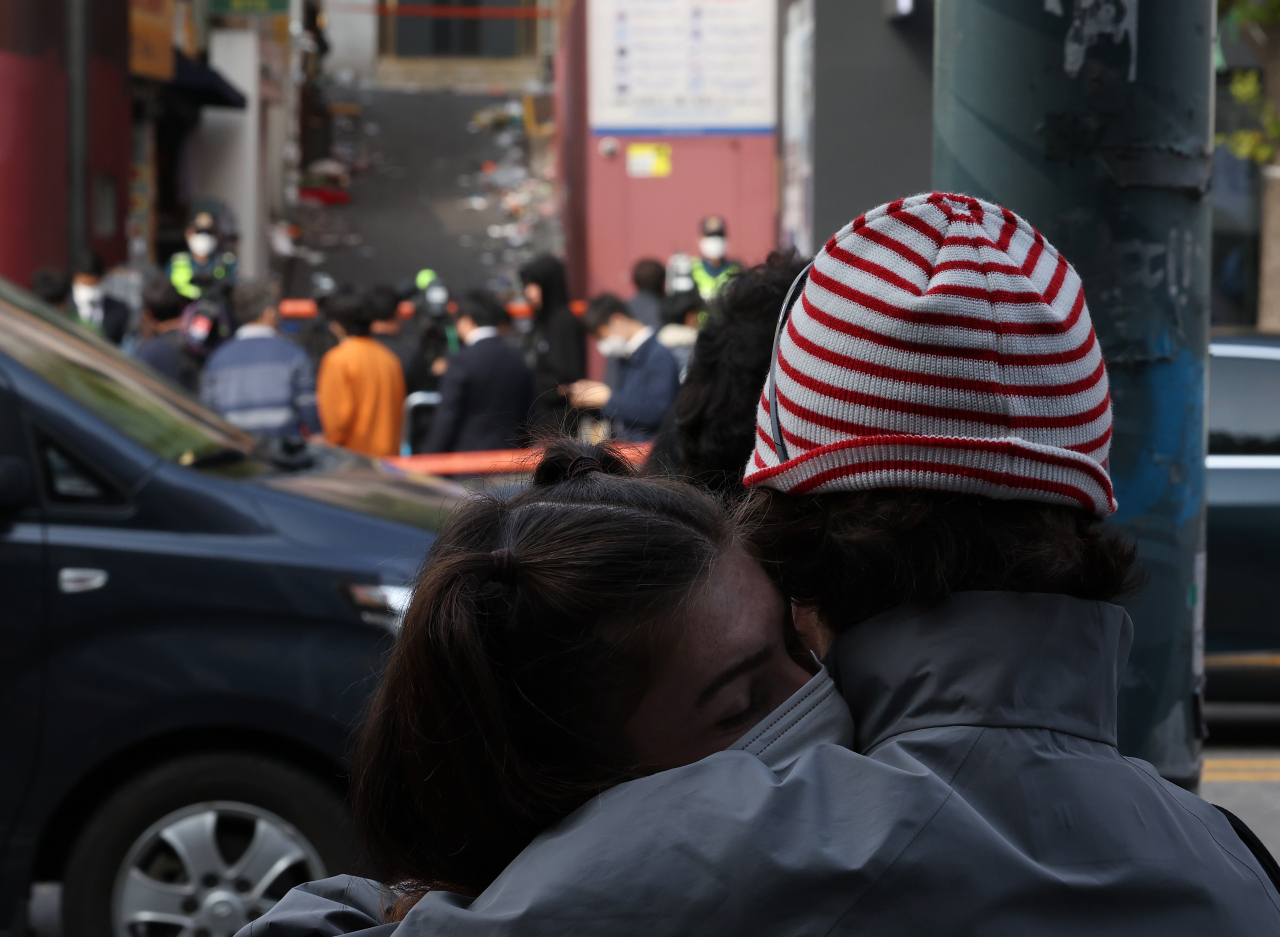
pixel 15 482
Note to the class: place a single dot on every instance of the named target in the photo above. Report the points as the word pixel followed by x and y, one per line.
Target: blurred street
pixel 427 191
pixel 1242 766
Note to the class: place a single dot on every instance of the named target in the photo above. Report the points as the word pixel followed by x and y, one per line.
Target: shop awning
pixel 202 85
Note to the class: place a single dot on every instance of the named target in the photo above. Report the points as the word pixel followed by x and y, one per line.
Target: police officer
pixel 203 265
pixel 710 270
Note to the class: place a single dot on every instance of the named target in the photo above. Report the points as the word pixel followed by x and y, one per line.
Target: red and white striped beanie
pixel 940 342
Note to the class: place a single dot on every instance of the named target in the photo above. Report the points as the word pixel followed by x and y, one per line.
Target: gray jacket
pixel 983 795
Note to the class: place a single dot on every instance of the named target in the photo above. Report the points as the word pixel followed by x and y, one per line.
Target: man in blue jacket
pixel 487 391
pixel 260 382
pixel 647 374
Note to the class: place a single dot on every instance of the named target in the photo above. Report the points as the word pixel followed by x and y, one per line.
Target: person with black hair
pixel 106 315
pixel 388 329
pixel 487 392
pixel 650 279
pixel 555 347
pixel 51 285
pixel 647 377
pixel 710 433
pixel 683 316
pixel 164 344
pixel 259 381
pixel 359 385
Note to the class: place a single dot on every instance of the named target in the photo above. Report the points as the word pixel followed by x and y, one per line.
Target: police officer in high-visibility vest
pixel 710 269
pixel 203 265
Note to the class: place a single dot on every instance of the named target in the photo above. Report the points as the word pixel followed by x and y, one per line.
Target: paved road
pixel 410 209
pixel 1242 770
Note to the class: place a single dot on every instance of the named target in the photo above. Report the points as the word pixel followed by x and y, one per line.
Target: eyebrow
pixel 746 665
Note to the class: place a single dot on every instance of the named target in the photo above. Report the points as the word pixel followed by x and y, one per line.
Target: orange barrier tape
pixel 298 308
pixel 444 12
pixel 495 461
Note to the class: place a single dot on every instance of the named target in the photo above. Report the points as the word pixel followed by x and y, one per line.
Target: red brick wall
pixel 33 130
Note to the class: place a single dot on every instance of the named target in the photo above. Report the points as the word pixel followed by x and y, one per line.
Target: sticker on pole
pixel 648 160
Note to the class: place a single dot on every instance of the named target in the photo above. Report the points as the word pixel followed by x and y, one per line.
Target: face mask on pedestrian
pixel 202 244
pixel 712 248
pixel 612 346
pixel 88 300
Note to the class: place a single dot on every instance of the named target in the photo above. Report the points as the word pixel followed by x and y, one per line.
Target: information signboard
pixel 151 39
pixel 681 66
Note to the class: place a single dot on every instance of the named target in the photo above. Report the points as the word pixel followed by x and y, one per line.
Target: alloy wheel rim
pixel 209 869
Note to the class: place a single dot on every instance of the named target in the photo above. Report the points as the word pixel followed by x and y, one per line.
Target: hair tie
pixel 504 566
pixel 582 465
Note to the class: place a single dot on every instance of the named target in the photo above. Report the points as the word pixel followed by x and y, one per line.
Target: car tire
pixel 202 845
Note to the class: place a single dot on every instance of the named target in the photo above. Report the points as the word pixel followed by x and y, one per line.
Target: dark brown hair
pixel 715 412
pixel 161 299
pixel 347 308
pixel 853 555
pixel 251 298
pixel 601 309
pixel 533 632
pixel 649 276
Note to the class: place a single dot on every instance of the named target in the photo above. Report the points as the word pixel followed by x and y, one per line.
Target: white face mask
pixel 88 300
pixel 202 244
pixel 712 248
pixel 612 346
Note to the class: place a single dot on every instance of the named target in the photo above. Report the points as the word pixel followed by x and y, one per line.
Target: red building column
pixel 33 132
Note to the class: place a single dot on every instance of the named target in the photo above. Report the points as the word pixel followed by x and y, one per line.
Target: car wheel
pixel 202 846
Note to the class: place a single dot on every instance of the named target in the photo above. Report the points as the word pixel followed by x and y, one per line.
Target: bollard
pixel 1093 119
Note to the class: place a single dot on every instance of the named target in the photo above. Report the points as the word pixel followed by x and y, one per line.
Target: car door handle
pixel 78 579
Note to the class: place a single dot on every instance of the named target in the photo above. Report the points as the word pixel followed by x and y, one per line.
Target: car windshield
pixel 110 384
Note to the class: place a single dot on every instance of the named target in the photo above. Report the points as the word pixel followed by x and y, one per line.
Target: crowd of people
pixel 493 381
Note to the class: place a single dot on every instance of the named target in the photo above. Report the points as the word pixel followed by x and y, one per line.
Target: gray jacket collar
pixel 813 714
pixel 1007 659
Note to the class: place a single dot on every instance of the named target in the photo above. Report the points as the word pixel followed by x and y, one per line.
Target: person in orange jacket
pixel 360 385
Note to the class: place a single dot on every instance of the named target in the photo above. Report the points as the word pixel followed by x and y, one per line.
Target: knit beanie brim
pixel 939 342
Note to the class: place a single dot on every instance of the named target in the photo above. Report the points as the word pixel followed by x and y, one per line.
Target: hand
pixel 588 395
pixel 439 366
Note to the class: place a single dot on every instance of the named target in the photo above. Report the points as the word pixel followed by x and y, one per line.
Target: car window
pixel 111 385
pixel 1244 404
pixel 67 480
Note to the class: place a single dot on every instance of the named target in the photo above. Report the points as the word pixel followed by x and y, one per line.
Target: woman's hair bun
pixel 565 459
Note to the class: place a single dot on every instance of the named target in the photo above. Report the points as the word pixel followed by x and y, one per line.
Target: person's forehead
pixel 738 609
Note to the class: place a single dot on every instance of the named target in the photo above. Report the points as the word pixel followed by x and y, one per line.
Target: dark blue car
pixel 189 630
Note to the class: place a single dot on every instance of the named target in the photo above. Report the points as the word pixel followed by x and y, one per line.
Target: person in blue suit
pixel 647 374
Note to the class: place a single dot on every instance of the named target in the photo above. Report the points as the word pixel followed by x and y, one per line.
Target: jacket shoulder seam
pixel 1150 781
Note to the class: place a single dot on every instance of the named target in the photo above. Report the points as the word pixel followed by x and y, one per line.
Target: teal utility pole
pixel 1093 119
